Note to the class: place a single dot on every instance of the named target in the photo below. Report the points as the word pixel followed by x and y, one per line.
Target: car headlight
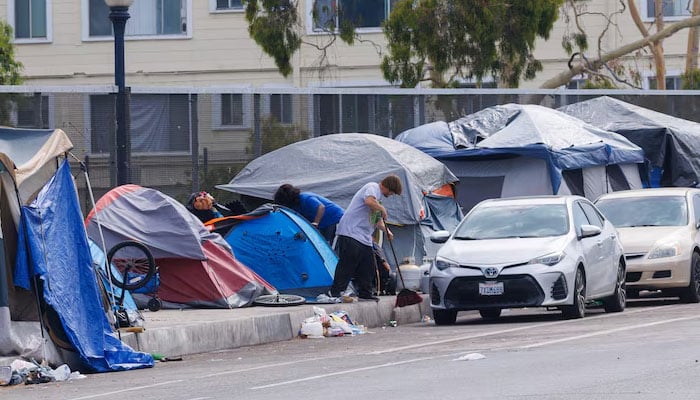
pixel 665 250
pixel 443 264
pixel 549 259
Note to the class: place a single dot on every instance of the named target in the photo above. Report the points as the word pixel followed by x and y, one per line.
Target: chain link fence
pixel 184 140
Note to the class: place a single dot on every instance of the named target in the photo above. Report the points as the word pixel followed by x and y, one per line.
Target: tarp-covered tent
pixel 197 267
pixel 669 143
pixel 517 150
pixel 336 166
pixel 283 248
pixel 39 216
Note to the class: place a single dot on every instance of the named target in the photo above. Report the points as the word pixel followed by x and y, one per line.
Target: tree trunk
pixel 564 77
pixel 691 56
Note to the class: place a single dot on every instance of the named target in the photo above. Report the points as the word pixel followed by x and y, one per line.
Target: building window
pixel 281 108
pixel 147 18
pixel 672 83
pixel 159 123
pixel 30 19
pixel 671 8
pixel 32 112
pixel 225 5
pixel 361 13
pixel 232 109
pixel 383 115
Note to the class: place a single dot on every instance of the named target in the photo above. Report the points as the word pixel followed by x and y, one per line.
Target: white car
pixel 545 251
pixel 659 232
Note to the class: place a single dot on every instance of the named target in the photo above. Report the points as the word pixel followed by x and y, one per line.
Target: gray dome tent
pixel 671 144
pixel 336 166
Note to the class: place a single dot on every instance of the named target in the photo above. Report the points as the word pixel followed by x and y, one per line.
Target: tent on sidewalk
pixel 670 144
pixel 337 166
pixel 197 267
pixel 46 269
pixel 282 247
pixel 518 150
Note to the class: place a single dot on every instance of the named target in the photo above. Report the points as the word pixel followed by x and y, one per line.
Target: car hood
pixel 641 239
pixel 500 251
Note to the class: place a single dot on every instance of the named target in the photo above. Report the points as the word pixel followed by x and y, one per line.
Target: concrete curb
pixel 176 334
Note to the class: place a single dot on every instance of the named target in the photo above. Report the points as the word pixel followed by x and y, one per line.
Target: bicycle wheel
pixel 279 300
pixel 135 263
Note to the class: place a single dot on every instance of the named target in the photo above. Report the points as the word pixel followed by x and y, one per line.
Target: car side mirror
pixel 439 236
pixel 697 224
pixel 589 230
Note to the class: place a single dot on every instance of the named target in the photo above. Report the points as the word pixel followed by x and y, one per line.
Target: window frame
pixel 14 115
pixel 268 107
pixel 214 10
pixel 85 10
pixel 649 18
pixel 311 29
pixel 49 24
pixel 216 116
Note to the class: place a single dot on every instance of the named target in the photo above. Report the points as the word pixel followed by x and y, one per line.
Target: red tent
pixel 197 267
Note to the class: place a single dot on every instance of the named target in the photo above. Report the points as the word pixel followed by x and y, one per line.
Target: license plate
pixel 490 288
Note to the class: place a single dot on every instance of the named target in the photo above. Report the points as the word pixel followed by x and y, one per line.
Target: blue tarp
pixel 284 249
pixel 51 228
pixel 564 142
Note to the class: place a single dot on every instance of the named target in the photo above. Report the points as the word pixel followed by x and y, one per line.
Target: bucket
pixel 411 276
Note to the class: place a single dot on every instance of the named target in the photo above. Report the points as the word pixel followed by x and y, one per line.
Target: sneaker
pixel 370 298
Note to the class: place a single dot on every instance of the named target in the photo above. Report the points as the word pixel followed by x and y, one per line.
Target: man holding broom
pixel 354 243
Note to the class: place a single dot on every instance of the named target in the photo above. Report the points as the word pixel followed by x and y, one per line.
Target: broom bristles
pixel 407 297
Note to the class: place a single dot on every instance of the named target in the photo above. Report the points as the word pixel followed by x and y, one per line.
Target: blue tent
pixel 522 144
pixel 57 252
pixel 284 249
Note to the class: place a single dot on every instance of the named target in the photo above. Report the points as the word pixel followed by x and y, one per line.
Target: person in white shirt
pixel 354 241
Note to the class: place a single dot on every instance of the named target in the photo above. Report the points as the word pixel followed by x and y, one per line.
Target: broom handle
pixel 396 260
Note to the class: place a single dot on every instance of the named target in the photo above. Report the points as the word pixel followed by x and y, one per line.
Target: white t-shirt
pixel 359 222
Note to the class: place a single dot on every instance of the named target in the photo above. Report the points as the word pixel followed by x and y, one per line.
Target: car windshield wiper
pixel 638 225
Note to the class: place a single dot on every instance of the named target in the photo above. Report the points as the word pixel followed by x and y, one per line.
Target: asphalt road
pixel 650 351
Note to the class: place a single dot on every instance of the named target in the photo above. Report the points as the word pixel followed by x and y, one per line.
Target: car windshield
pixel 645 211
pixel 514 221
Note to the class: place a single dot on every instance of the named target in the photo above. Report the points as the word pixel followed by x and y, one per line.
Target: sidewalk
pixel 182 332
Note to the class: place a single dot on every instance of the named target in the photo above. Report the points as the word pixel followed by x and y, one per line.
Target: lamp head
pixel 119 3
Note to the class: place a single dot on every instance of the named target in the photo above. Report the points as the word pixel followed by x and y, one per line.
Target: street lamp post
pixel 118 14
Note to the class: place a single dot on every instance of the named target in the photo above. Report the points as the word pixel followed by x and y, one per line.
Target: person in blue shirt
pixel 318 210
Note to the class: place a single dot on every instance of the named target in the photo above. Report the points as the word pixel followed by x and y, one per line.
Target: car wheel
pixel 445 317
pixel 691 294
pixel 578 308
pixel 616 302
pixel 490 313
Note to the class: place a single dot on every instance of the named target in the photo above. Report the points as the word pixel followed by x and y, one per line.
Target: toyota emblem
pixel 490 272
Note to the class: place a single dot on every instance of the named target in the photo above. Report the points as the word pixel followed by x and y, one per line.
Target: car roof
pixel 648 192
pixel 525 200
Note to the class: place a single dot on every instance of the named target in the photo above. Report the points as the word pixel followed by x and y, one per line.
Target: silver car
pixel 659 229
pixel 545 251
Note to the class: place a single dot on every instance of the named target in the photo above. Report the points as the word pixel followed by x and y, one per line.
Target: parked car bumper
pixel 523 286
pixel 660 273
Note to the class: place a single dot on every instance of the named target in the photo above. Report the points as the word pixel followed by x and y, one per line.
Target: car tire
pixel 445 317
pixel 490 313
pixel 691 294
pixel 616 302
pixel 578 308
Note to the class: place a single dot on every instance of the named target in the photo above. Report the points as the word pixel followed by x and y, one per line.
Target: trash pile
pixel 29 373
pixel 322 324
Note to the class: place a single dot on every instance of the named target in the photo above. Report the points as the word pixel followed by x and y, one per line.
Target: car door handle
pixel 599 243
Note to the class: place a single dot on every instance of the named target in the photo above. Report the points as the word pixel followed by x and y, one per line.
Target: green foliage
pixel 465 39
pixel 275 135
pixel 691 79
pixel 273 26
pixel 212 176
pixel 10 72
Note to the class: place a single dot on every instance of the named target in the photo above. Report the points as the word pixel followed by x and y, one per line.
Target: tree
pixel 606 66
pixel 10 72
pixel 443 41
